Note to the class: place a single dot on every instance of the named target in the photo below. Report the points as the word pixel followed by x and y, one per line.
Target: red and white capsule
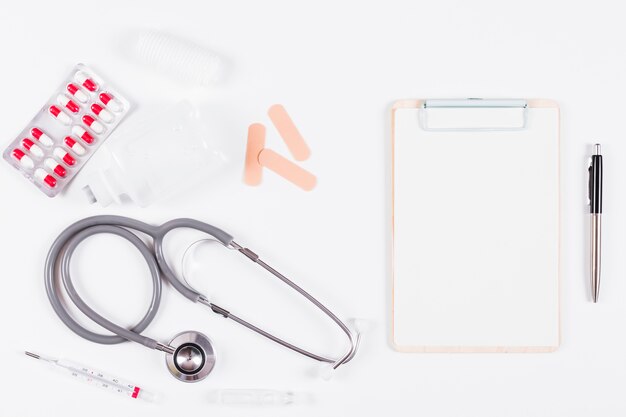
pixel 75 90
pixel 45 178
pixel 44 139
pixel 24 159
pixel 60 115
pixel 34 149
pixel 64 156
pixel 83 134
pixel 109 100
pixel 95 125
pixel 68 103
pixel 74 146
pixel 85 80
pixel 55 167
pixel 100 111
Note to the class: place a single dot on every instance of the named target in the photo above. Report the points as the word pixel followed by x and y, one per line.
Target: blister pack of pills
pixel 67 130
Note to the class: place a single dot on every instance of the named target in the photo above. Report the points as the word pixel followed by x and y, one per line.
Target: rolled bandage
pixel 177 57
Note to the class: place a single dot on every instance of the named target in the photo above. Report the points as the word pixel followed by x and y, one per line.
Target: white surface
pixel 476 233
pixel 337 67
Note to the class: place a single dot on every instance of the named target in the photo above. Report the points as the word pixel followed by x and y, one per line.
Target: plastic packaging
pixel 253 397
pixel 68 129
pixel 170 153
pixel 179 58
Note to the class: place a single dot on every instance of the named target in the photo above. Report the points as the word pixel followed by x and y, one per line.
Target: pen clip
pixel 590 183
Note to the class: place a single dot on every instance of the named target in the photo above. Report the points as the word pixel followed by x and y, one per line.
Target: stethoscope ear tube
pixel 353 339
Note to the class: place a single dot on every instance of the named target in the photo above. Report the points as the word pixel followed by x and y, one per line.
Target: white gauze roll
pixel 182 59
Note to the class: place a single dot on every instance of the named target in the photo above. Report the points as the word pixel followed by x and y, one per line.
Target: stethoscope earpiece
pixel 193 358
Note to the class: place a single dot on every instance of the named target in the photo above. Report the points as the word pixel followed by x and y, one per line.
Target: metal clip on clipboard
pixel 473 114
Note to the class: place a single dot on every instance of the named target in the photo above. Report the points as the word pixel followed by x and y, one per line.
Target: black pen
pixel 595 209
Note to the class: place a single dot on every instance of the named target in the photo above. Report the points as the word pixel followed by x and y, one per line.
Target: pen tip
pixel 597 148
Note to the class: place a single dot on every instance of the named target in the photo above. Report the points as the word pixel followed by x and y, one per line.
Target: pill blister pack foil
pixel 68 129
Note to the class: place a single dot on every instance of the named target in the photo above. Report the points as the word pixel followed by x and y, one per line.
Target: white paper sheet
pixel 476 236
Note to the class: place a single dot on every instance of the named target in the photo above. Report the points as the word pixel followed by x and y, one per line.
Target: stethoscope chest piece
pixel 193 359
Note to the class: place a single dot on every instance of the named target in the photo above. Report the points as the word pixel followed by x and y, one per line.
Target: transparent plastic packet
pixel 169 152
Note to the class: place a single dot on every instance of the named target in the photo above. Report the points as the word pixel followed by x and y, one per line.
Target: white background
pixel 337 67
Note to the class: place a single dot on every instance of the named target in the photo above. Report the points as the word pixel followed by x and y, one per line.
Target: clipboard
pixel 475 225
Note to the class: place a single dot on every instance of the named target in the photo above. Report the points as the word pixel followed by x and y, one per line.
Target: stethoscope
pixel 189 356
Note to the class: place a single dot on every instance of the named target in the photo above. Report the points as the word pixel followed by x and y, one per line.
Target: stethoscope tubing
pixel 58 265
pixel 60 255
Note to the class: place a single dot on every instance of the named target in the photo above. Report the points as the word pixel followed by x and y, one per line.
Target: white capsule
pixel 83 134
pixel 64 156
pixel 111 102
pixel 27 163
pixel 60 115
pixel 37 151
pixel 75 90
pixel 86 81
pixel 55 167
pixel 102 113
pixel 44 139
pixel 74 146
pixel 80 96
pixel 106 116
pixel 23 159
pixel 45 178
pixel 32 148
pixel 68 103
pixel 95 125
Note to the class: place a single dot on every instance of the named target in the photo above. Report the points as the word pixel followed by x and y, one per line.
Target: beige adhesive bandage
pixel 288 131
pixel 287 169
pixel 253 172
